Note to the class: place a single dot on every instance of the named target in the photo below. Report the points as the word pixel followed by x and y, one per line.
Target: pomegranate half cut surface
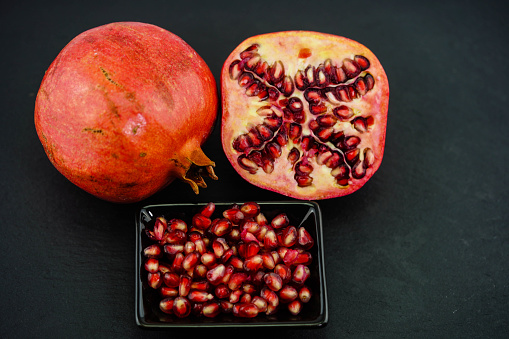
pixel 304 113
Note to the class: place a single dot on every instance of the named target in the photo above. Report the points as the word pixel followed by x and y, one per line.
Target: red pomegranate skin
pixel 124 109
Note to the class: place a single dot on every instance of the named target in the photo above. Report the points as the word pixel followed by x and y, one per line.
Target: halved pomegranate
pixel 304 113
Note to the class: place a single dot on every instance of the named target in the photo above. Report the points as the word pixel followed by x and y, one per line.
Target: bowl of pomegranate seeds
pixel 230 264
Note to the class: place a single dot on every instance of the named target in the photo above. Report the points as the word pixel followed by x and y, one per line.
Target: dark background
pixel 422 250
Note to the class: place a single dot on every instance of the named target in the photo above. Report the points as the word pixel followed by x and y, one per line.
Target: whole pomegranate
pixel 304 113
pixel 124 109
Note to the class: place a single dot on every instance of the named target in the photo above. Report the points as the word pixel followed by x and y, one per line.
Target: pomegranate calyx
pixel 199 166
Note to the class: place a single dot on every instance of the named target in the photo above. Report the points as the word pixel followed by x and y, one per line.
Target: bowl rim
pixel 320 321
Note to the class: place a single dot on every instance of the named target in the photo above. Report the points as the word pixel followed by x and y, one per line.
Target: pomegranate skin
pixel 124 109
pixel 244 110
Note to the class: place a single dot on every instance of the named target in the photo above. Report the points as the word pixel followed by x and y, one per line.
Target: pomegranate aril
pixel 152 265
pixel 273 281
pixel 342 93
pixel 252 61
pixel 226 306
pixel 358 170
pixel 201 285
pixel 324 134
pixel 343 112
pixel 181 307
pixel 352 156
pixel 317 108
pixel 235 69
pixel 253 263
pixel 370 81
pixel 184 285
pixel 154 280
pixel 300 274
pixel 177 224
pixel 242 143
pixel 222 291
pixel 286 86
pixel 166 305
pixel 245 79
pixel 245 298
pixel 293 155
pixel 305 239
pixel 301 81
pixel 229 270
pixel 216 274
pixel 273 122
pixel 305 294
pixel 304 258
pixel 173 249
pixel 273 150
pixel 152 251
pixel 303 168
pixel 281 220
pixel 201 222
pixel 362 61
pixel 294 131
pixel 295 307
pixel 235 296
pixel 200 271
pixel 290 256
pixel 208 259
pixel 309 72
pixel 265 132
pixel 277 72
pixel 369 157
pixel 235 215
pixel 160 227
pixel 321 77
pixel 351 68
pixel 289 236
pixel 284 272
pixel 260 303
pixel 313 95
pixel 211 309
pixel 270 296
pixel 335 160
pixel 175 237
pixel 199 296
pixel 268 261
pixel 261 69
pixel 248 310
pixel 270 240
pixel 190 261
pixel 288 293
pixel 171 279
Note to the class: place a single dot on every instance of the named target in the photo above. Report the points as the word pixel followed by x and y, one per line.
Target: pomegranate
pixel 304 113
pixel 124 110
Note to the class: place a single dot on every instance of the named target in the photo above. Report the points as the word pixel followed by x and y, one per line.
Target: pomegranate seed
pixel 304 258
pixel 248 310
pixel 168 292
pixel 235 215
pixel 289 236
pixel 201 285
pixel 304 239
pixel 235 296
pixel 208 210
pixel 176 266
pixel 236 280
pixel 184 285
pixel 245 298
pixel 253 263
pixel 177 224
pixel 199 296
pixel 250 209
pixel 226 306
pixel 273 281
pixel 215 275
pixel 290 256
pixel 221 227
pixel 190 261
pixel 288 293
pixel 270 296
pixel 166 305
pixel 181 307
pixel 160 227
pixel 201 222
pixel 284 272
pixel 304 294
pixel 211 309
pixel 173 249
pixel 222 291
pixel 163 268
pixel 280 221
pixel 152 265
pixel 208 259
pixel 260 303
pixel 300 274
pixel 270 240
pixel 155 280
pixel 171 279
pixel 152 251
pixel 295 307
pixel 208 274
pixel 268 261
pixel 228 273
pixel 200 271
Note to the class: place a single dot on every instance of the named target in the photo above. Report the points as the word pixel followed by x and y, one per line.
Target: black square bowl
pixel 306 214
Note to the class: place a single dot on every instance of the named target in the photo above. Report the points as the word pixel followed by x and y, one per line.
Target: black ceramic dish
pixel 313 314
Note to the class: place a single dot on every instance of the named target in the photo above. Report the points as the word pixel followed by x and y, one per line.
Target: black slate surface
pixel 421 251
